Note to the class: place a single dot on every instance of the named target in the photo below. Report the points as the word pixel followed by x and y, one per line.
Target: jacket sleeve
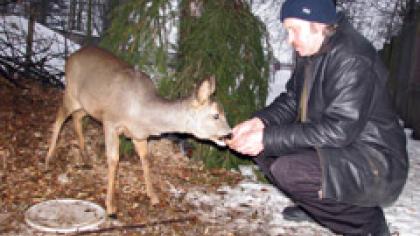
pixel 347 93
pixel 283 109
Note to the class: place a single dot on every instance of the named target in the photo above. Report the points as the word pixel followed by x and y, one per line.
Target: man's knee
pixel 298 174
pixel 283 175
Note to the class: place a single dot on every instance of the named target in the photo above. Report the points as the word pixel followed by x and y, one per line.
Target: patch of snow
pixel 251 206
pixel 48 43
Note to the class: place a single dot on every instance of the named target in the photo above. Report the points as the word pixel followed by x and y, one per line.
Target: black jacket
pixel 350 121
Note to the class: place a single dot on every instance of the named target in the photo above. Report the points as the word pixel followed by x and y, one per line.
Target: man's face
pixel 305 37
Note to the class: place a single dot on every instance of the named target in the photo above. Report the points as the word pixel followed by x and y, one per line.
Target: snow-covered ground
pixel 48 43
pixel 258 206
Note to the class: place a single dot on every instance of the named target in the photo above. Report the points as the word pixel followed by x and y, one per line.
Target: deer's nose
pixel 227 136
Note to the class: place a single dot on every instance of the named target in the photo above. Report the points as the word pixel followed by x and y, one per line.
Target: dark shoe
pixel 382 230
pixel 295 213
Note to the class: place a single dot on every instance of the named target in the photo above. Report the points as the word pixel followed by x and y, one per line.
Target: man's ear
pixel 206 88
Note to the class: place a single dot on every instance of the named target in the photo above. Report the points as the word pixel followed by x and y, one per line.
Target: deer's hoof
pixel 113 216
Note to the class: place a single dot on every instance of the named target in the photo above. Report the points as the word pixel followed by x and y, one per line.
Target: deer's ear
pixel 206 88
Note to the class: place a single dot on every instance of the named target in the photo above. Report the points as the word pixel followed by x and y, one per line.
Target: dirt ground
pixel 26 117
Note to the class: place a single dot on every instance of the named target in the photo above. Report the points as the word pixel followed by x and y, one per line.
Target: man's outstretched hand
pixel 247 137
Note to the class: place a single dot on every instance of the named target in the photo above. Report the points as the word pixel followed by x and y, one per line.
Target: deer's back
pixel 103 84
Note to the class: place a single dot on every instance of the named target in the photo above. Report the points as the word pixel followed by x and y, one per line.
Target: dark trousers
pixel 299 177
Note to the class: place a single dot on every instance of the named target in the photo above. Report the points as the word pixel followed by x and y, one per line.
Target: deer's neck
pixel 173 116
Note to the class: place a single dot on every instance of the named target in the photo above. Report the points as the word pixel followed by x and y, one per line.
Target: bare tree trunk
pixel 30 37
pixel 411 11
pixel 407 92
pixel 88 38
pixel 68 26
pixel 414 84
pixel 43 11
pixel 109 6
pixel 79 15
pixel 72 15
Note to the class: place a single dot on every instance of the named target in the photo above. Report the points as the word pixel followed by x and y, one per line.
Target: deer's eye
pixel 216 116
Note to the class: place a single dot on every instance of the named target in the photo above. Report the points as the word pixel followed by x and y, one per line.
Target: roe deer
pixel 126 102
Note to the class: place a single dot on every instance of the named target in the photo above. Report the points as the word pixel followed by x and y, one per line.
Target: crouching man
pixel 332 141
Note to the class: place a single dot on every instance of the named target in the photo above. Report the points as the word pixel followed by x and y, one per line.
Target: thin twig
pixel 135 226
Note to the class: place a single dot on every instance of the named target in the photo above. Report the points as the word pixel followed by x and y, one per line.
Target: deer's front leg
pixel 141 149
pixel 112 155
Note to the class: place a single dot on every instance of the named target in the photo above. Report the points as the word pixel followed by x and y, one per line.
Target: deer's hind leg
pixel 64 111
pixel 78 127
pixel 142 151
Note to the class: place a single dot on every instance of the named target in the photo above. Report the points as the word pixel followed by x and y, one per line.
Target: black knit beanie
pixel 322 11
